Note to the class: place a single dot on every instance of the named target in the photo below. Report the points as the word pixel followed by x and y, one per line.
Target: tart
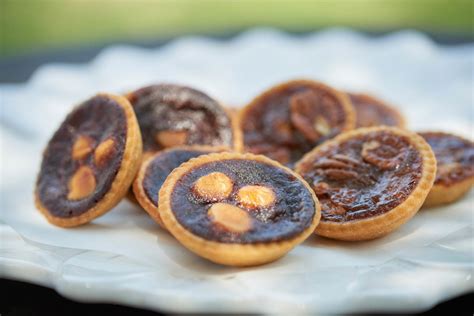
pixel 371 111
pixel 156 168
pixel 455 175
pixel 291 118
pixel 171 115
pixel 238 209
pixel 90 162
pixel 369 181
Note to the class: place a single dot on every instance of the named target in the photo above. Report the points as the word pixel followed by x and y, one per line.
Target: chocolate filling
pixel 371 112
pixel 291 214
pixel 454 156
pixel 290 121
pixel 363 176
pixel 167 107
pixel 100 118
pixel 161 166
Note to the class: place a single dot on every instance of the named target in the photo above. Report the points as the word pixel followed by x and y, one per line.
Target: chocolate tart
pixel 90 162
pixel 238 209
pixel 369 181
pixel 371 111
pixel 291 118
pixel 154 170
pixel 172 115
pixel 455 175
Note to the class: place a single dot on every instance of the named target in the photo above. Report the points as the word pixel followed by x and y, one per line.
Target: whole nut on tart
pixel 171 138
pixel 104 151
pixel 230 217
pixel 312 114
pixel 81 184
pixel 82 147
pixel 321 125
pixel 214 186
pixel 254 196
pixel 385 156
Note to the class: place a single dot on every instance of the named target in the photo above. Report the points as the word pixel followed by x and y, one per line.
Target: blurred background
pixel 78 28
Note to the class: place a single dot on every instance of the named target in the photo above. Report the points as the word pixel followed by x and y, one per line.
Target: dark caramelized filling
pixel 364 176
pixel 161 166
pixel 454 156
pixel 190 116
pixel 100 120
pixel 289 122
pixel 291 212
pixel 371 112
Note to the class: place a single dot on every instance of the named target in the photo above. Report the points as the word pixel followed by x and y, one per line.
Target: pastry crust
pixel 237 131
pixel 139 194
pixel 123 179
pixel 387 108
pixel 232 254
pixel 441 194
pixel 444 193
pixel 130 196
pixel 382 224
pixel 342 98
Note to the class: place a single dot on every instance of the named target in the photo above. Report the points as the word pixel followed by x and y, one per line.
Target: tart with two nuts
pixel 154 170
pixel 369 181
pixel 237 209
pixel 172 115
pixel 291 118
pixel 455 175
pixel 90 162
pixel 371 111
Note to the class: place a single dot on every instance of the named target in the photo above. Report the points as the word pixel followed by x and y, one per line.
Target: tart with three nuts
pixel 369 181
pixel 154 170
pixel 455 175
pixel 291 118
pixel 90 162
pixel 237 209
pixel 371 111
pixel 172 115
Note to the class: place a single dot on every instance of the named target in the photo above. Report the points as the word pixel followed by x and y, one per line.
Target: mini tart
pixel 291 118
pixel 238 209
pixel 369 181
pixel 371 111
pixel 455 160
pixel 154 170
pixel 90 162
pixel 172 115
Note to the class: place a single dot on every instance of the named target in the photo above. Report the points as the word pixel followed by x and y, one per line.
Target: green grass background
pixel 32 25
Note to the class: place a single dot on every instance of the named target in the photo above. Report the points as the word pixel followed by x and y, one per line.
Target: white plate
pixel 123 257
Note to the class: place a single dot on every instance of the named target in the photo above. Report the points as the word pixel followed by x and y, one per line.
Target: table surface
pixel 25 299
